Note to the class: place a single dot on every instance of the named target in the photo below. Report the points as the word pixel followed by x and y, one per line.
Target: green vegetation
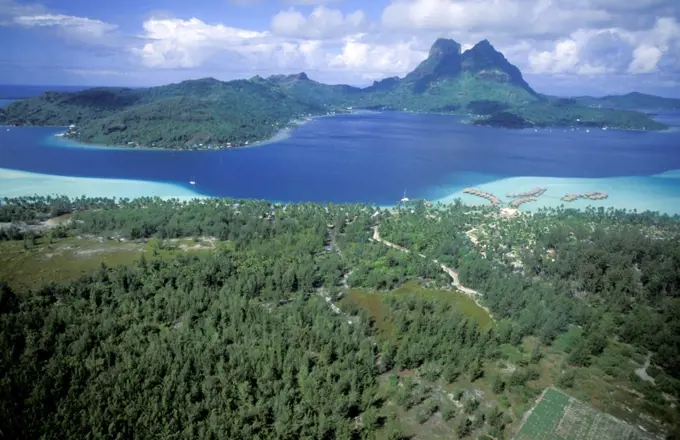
pixel 377 307
pixel 558 417
pixel 631 101
pixel 246 319
pixel 209 114
pixel 31 263
pixel 566 113
pixel 203 113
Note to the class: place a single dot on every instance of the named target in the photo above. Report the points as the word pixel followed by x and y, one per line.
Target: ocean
pixel 11 92
pixel 368 157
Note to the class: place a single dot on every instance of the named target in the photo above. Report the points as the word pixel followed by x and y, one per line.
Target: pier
pixel 495 201
pixel 592 195
pixel 517 202
pixel 536 192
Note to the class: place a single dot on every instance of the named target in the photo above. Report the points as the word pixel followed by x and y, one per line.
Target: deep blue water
pixel 20 92
pixel 372 157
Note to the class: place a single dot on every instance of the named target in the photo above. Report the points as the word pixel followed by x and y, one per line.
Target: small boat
pixel 192 183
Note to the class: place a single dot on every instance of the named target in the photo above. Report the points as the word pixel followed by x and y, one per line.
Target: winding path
pixel 450 272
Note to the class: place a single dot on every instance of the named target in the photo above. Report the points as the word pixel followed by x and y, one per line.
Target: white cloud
pixel 517 17
pixel 194 44
pixel 177 43
pixel 321 23
pixel 288 2
pixel 375 61
pixel 80 27
pixel 645 59
pixel 97 72
pixel 563 58
pixel 309 2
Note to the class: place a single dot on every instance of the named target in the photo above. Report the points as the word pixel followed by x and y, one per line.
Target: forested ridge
pixel 240 341
pixel 204 113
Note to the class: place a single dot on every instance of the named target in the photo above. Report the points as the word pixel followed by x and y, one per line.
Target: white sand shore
pixel 20 183
pixel 654 193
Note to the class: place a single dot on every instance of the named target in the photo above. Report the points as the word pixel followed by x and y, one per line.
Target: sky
pixel 563 47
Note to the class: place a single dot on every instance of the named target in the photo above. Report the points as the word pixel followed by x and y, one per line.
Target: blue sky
pixel 564 47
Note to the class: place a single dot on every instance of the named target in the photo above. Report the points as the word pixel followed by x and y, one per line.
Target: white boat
pixel 192 183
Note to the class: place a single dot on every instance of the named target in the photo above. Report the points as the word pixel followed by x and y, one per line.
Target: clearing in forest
pixel 373 303
pixel 557 416
pixel 26 265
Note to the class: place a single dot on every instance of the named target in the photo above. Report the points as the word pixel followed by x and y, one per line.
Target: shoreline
pixel 17 183
pixel 281 134
pixel 641 193
pixel 286 131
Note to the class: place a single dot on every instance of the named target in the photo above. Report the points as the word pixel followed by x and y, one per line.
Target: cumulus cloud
pixel 516 17
pixel 564 57
pixel 611 51
pixel 177 43
pixel 188 44
pixel 645 59
pixel 321 23
pixel 375 61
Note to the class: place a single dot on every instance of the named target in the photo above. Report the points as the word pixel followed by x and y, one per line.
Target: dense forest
pixel 203 113
pixel 212 114
pixel 240 341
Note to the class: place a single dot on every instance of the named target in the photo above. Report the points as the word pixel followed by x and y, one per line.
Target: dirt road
pixel 450 272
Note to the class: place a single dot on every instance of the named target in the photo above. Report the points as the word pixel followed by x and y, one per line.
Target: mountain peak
pixel 443 47
pixel 288 79
pixel 443 60
pixel 486 48
pixel 484 61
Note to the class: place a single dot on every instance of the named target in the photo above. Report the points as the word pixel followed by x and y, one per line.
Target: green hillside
pixel 631 101
pixel 204 111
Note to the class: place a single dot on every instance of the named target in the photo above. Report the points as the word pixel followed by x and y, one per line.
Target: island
pixel 211 114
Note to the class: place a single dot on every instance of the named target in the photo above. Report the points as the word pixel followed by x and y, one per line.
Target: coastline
pixel 281 134
pixel 286 131
pixel 642 193
pixel 15 183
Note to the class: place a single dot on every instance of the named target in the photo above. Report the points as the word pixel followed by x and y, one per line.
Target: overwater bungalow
pixel 535 192
pixel 495 201
pixel 592 195
pixel 517 202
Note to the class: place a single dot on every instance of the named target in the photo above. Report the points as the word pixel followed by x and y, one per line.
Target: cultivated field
pixel 557 416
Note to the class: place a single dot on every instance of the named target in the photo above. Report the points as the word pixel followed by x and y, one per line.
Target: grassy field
pixel 28 266
pixel 559 417
pixel 372 302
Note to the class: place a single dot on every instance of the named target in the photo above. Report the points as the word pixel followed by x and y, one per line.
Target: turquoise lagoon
pixel 368 157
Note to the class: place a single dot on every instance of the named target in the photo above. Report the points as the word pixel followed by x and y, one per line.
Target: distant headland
pixel 212 114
